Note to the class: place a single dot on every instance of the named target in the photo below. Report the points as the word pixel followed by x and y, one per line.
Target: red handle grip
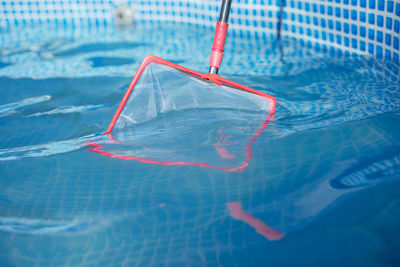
pixel 218 44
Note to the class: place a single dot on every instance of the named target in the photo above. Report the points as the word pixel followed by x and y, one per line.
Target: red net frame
pixel 96 147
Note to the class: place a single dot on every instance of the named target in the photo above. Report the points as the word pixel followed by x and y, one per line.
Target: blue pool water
pixel 323 181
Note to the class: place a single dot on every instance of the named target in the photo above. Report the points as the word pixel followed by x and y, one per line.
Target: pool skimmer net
pixel 171 115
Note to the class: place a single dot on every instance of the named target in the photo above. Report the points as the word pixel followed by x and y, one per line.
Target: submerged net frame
pixel 214 78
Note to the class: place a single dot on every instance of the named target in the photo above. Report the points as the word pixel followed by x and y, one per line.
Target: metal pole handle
pixel 224 12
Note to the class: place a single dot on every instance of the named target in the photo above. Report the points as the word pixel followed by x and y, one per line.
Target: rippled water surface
pixel 322 186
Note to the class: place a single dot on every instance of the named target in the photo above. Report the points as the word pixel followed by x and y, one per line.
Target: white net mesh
pixel 172 117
